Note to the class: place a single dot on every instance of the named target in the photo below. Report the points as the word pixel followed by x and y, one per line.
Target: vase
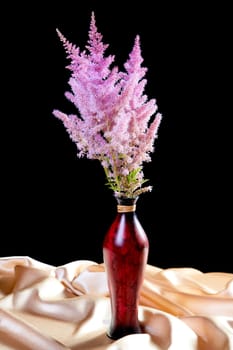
pixel 125 254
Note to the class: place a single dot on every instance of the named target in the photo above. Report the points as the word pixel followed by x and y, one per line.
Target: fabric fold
pixel 68 307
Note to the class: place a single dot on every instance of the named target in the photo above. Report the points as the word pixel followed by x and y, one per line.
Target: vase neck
pixel 126 204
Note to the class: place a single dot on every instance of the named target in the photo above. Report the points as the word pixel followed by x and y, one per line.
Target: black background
pixel 56 207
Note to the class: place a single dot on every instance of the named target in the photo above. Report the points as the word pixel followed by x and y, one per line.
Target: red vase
pixel 125 253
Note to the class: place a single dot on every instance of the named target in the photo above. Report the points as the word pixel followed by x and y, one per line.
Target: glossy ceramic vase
pixel 125 253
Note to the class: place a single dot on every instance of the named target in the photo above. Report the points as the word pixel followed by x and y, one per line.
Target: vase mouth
pixel 123 200
pixel 120 195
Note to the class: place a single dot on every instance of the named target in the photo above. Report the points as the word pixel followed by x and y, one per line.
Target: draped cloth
pixel 45 307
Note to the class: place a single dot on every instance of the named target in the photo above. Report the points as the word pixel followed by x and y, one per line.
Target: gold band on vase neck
pixel 126 208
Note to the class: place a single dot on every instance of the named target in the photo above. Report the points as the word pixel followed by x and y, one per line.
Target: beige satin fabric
pixel 44 307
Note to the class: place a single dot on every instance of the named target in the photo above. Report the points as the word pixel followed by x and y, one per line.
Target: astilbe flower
pixel 116 123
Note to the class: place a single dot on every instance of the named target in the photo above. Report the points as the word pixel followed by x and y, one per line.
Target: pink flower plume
pixel 115 121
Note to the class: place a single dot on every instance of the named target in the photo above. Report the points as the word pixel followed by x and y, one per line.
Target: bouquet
pixel 115 123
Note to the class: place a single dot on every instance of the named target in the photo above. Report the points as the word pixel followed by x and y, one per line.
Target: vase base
pixel 122 332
